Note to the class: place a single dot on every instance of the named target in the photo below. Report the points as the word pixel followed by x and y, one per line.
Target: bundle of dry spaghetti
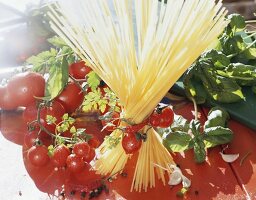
pixel 138 59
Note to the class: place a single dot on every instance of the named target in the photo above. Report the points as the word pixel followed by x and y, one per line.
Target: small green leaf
pixel 65 116
pixel 93 80
pixel 57 41
pixel 217 135
pixel 71 120
pixel 237 22
pixel 50 119
pixel 199 150
pixel 72 130
pixel 176 142
pixel 180 124
pixel 216 117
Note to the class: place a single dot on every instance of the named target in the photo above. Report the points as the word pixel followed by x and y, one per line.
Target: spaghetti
pixel 169 39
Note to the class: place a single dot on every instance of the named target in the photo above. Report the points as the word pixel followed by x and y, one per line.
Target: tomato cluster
pixel 74 158
pixel 162 117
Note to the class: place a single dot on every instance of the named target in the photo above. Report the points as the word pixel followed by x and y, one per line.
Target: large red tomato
pixel 71 97
pixel 25 87
pixel 30 113
pixel 79 70
pixel 6 102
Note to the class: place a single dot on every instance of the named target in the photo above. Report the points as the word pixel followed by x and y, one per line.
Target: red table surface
pixel 214 179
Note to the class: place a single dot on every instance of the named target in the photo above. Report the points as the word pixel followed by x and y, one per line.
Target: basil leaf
pixel 177 141
pixel 237 22
pixel 219 59
pixel 245 75
pixel 216 117
pixel 180 124
pixel 193 85
pixel 199 149
pixel 232 45
pixel 214 136
pixel 58 78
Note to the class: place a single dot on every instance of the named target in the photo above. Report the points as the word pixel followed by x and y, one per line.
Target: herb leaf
pixel 216 117
pixel 217 135
pixel 177 142
pixel 93 80
pixel 58 78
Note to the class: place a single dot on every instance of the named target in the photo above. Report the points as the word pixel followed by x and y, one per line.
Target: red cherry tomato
pixel 154 119
pixel 38 155
pixel 24 87
pixel 71 97
pixel 163 118
pixel 6 101
pixel 130 143
pixel 75 163
pixel 94 142
pixel 167 117
pixel 60 155
pixel 79 70
pixel 30 138
pixel 81 149
pixel 90 156
pixel 112 123
pixel 56 110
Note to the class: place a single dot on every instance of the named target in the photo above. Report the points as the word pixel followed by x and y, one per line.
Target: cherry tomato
pixel 112 123
pixel 38 155
pixel 30 138
pixel 71 97
pixel 94 142
pixel 81 149
pixel 163 118
pixel 56 110
pixel 75 163
pixel 167 117
pixel 6 101
pixel 79 70
pixel 130 143
pixel 35 136
pixel 60 155
pixel 24 87
pixel 90 156
pixel 154 119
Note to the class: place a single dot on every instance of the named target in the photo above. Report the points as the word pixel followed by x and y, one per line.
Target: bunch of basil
pixel 184 135
pixel 219 73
